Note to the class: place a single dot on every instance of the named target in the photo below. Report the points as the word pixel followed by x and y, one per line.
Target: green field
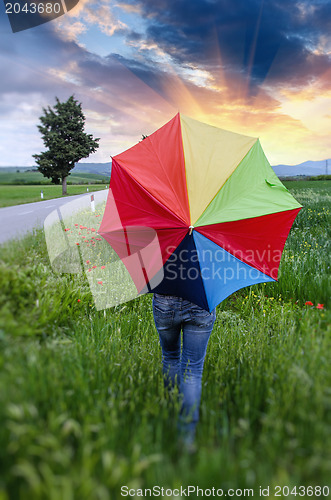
pixel 16 194
pixel 314 184
pixel 82 406
pixel 30 177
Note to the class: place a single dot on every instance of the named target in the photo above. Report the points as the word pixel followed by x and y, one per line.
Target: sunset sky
pixel 261 68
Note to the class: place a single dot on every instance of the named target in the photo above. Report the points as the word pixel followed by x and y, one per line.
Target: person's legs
pixel 197 327
pixel 171 314
pixel 169 328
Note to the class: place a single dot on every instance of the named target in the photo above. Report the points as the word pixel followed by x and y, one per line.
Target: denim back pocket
pixel 202 318
pixel 162 311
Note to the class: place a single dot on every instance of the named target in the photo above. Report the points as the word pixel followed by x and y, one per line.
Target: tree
pixel 62 130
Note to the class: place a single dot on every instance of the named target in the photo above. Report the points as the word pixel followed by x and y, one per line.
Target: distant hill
pixel 11 170
pixel 308 168
pixel 93 168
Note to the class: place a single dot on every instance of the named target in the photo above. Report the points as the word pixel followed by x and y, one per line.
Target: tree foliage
pixel 66 142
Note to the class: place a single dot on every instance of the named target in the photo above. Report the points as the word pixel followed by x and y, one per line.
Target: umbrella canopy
pixel 220 214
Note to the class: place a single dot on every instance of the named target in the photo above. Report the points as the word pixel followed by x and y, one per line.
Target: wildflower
pixel 67 229
pixel 89 270
pixel 78 300
pixel 87 262
pixel 308 303
pixel 94 267
pixel 103 267
pixel 77 243
pixel 99 282
pixel 320 306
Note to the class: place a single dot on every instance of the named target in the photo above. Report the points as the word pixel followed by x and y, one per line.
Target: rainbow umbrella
pixel 210 199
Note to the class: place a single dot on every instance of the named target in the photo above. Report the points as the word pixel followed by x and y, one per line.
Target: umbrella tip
pixel 191 229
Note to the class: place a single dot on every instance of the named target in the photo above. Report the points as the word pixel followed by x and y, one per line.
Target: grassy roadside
pixel 16 195
pixel 82 406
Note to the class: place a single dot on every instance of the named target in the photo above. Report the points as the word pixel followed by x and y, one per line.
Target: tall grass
pixel 82 405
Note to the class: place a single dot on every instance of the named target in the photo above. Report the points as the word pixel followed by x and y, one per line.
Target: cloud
pixel 238 65
pixel 97 13
pixel 247 34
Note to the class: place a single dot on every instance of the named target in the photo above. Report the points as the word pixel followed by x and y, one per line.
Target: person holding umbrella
pixel 220 217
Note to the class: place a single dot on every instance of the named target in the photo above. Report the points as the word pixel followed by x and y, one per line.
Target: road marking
pixel 49 206
pixel 23 213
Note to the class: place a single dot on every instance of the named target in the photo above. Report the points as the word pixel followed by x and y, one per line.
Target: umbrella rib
pixel 203 285
pixel 167 176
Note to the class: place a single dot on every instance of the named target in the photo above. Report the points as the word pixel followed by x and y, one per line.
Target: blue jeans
pixel 183 366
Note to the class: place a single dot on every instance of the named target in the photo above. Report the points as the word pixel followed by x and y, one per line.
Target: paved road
pixel 18 220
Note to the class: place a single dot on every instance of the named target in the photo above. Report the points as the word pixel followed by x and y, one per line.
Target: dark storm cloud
pixel 247 34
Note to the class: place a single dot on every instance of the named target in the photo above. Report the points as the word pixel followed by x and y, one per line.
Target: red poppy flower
pixel 103 267
pixel 99 282
pixel 87 262
pixel 77 243
pixel 320 306
pixel 94 267
pixel 78 300
pixel 308 303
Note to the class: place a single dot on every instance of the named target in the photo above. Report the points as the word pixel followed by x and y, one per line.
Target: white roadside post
pixel 92 203
pixel 87 189
pixel 41 195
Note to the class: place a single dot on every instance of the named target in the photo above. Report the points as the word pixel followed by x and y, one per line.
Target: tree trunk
pixel 64 186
